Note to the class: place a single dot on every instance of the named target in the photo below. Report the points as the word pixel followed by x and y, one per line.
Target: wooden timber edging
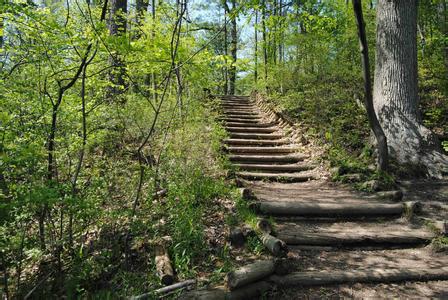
pixel 254 289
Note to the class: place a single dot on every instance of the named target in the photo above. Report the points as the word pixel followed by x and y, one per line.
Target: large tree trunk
pixel 396 89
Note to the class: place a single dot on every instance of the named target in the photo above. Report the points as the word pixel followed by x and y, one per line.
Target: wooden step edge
pixel 291 208
pixel 246 117
pixel 279 142
pixel 264 129
pixel 275 168
pixel 320 278
pixel 248 123
pixel 368 275
pixel 255 136
pixel 280 177
pixel 267 149
pixel 267 158
pixel 338 239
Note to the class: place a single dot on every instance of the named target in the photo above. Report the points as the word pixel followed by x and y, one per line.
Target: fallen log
pixel 276 246
pixel 165 290
pixel 290 208
pixel 343 239
pixel 163 264
pixel 318 278
pixel 249 273
pixel 176 286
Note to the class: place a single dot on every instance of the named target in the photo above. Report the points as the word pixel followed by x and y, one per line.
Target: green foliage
pixel 96 207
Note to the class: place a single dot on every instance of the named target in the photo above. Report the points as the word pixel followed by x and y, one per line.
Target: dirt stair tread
pixel 277 159
pixel 242 125
pixel 338 233
pixel 255 149
pixel 259 142
pixel 261 136
pixel 271 167
pixel 244 128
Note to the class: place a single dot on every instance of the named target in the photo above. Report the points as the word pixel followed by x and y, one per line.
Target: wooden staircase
pixel 361 234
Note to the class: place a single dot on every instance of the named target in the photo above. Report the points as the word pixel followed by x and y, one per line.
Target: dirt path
pixel 328 227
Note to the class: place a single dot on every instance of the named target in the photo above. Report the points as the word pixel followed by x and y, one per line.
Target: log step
pixel 251 129
pixel 239 120
pixel 235 116
pixel 281 177
pixel 237 104
pixel 352 234
pixel 319 209
pixel 268 158
pixel 259 136
pixel 241 112
pixel 236 100
pixel 231 103
pixel 278 150
pixel 275 168
pixel 256 142
pixel 245 123
pixel 239 108
pixel 378 275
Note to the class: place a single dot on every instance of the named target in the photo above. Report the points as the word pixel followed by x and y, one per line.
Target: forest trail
pixel 334 235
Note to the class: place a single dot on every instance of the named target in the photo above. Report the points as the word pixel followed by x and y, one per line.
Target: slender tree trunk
pixel 274 33
pixel 280 37
pixel 141 6
pixel 153 33
pixel 396 89
pixel 233 50
pixel 265 50
pixel 2 27
pixel 444 22
pixel 117 27
pixel 373 120
pixel 256 47
pixel 226 47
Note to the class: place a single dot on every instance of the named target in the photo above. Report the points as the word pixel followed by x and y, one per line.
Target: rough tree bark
pixel 396 90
